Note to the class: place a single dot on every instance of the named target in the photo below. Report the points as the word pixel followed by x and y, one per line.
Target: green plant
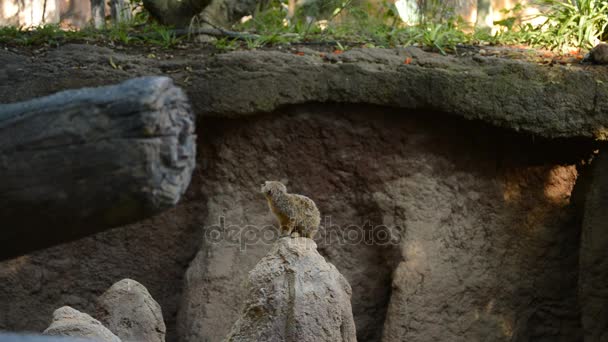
pixel 163 36
pixel 441 36
pixel 226 44
pixel 44 34
pixel 122 33
pixel 572 23
pixel 10 34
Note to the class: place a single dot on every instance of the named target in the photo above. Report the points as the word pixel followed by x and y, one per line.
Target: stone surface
pixel 551 101
pixel 487 207
pixel 70 322
pixel 593 284
pixel 468 261
pixel 155 252
pixel 6 337
pixel 293 294
pixel 481 221
pixel 128 310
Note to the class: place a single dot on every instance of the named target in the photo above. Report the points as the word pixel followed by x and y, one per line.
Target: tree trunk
pixel 83 161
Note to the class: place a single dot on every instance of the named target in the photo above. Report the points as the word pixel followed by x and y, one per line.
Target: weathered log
pixel 82 161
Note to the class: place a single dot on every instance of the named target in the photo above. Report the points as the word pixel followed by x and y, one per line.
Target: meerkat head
pixel 270 188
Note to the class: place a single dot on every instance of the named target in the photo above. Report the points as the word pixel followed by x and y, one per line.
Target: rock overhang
pixel 559 101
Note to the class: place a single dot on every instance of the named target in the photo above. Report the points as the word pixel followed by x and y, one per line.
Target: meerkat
pixel 298 215
pixel 597 55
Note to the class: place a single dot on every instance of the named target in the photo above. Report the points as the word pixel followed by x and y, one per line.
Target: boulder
pixel 293 294
pixel 128 309
pixel 71 322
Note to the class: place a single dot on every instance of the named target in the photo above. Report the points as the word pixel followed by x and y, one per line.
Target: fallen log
pixel 82 161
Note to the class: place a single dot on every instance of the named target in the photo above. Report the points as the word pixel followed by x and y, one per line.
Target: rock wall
pixel 593 289
pixel 484 240
pixel 483 216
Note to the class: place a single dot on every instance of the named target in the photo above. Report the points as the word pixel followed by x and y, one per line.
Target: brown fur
pixel 296 213
pixel 598 55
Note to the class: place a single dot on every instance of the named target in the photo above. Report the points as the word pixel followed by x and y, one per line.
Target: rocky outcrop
pixel 551 101
pixel 293 294
pixel 128 310
pixel 474 227
pixel 593 284
pixel 71 322
pixel 483 240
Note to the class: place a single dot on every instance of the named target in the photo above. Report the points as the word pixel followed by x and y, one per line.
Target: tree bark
pixel 83 161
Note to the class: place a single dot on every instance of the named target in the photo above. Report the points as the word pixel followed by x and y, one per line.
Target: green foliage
pixel 570 23
pixel 45 34
pixel 441 36
pixel 140 30
pixel 574 23
pixel 162 36
pixel 124 33
pixel 227 44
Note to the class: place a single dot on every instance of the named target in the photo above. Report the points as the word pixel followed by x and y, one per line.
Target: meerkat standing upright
pixel 296 213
